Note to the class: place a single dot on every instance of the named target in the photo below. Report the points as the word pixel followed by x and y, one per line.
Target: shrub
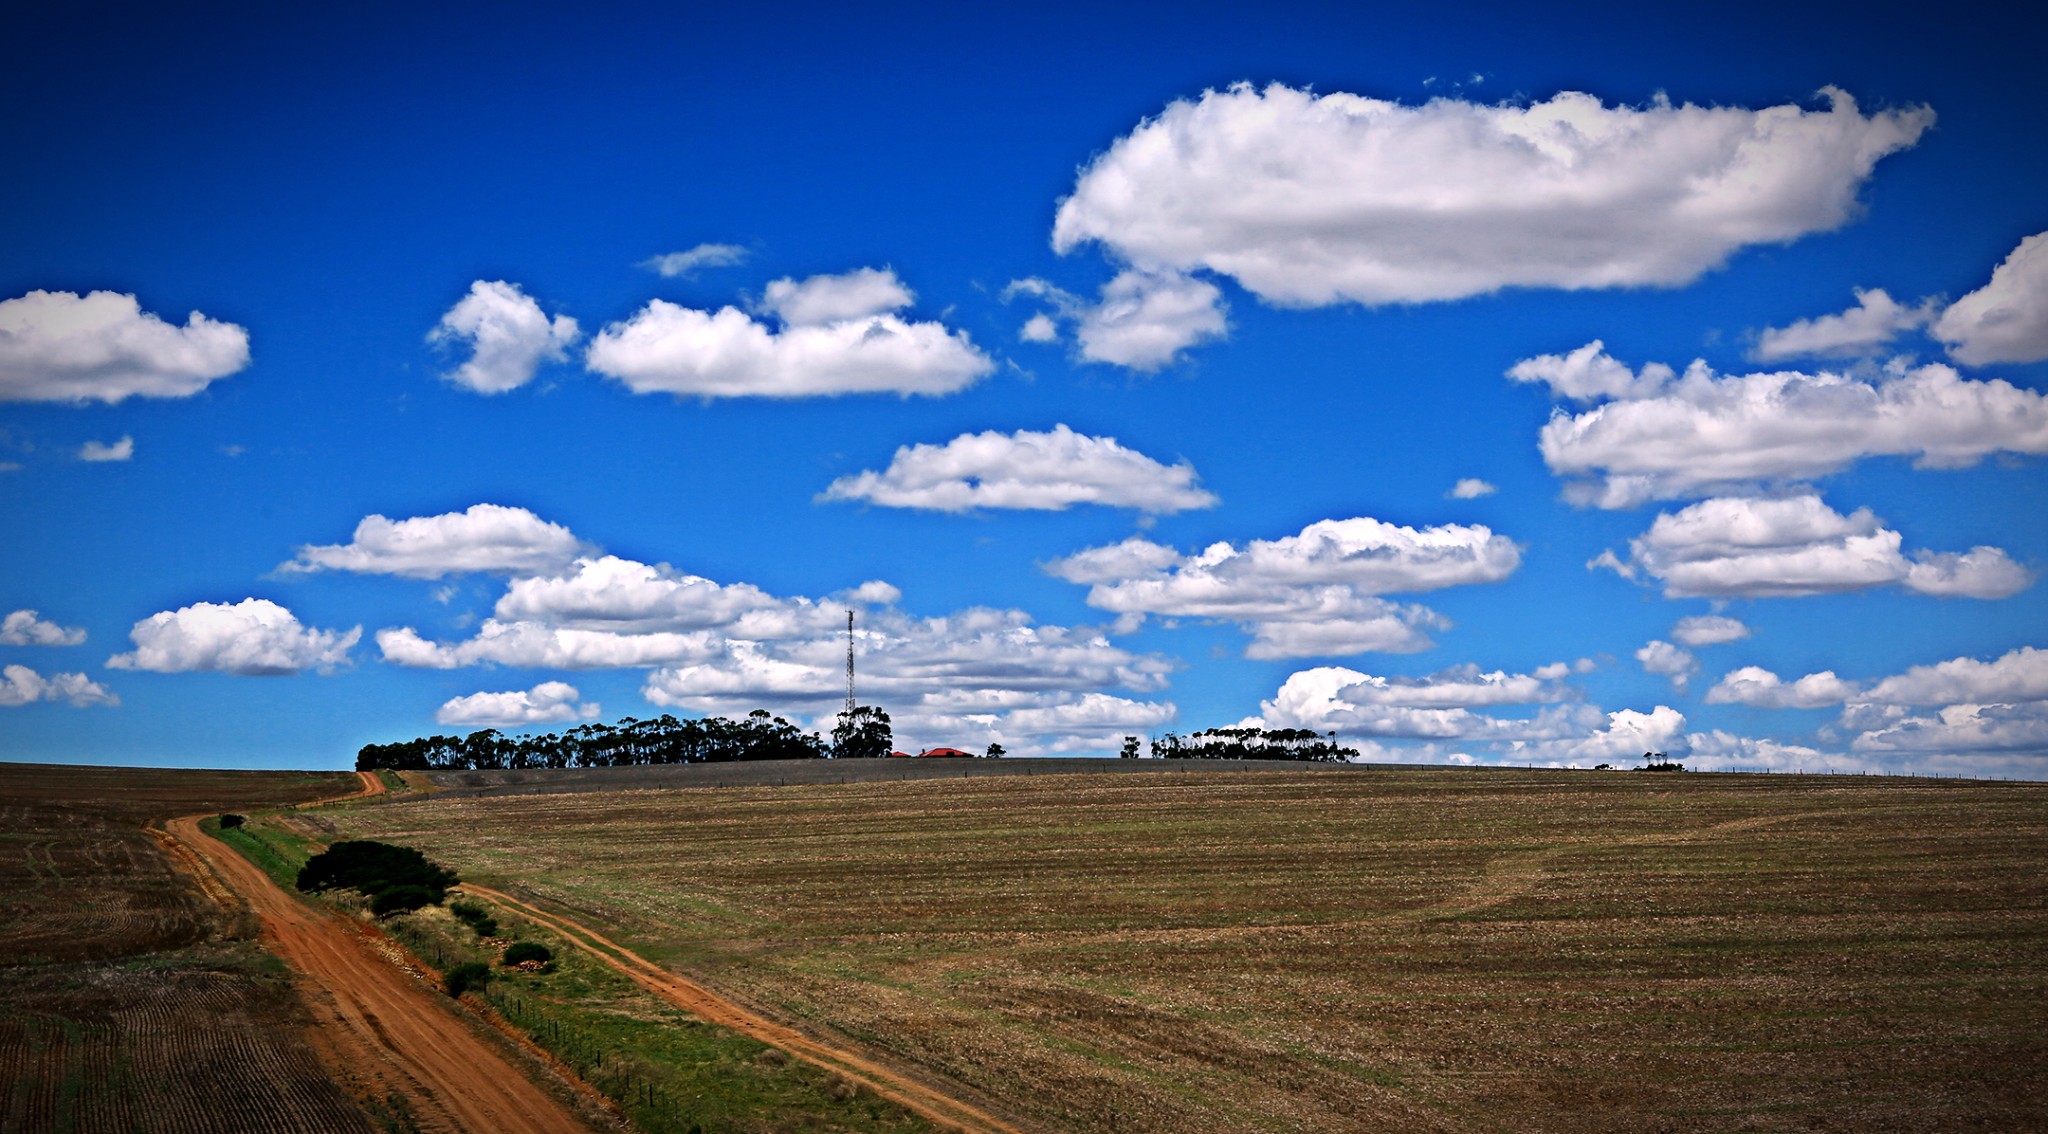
pixel 373 868
pixel 230 822
pixel 468 975
pixel 400 899
pixel 523 951
pixel 476 917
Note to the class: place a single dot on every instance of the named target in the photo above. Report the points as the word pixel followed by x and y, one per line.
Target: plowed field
pixel 1412 951
pixel 130 1001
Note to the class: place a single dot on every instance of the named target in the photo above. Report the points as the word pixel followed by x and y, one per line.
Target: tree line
pixel 1247 743
pixel 663 740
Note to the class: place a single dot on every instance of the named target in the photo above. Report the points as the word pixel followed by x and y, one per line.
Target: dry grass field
pixel 130 1001
pixel 1339 950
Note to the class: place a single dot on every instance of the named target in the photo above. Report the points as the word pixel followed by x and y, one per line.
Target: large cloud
pixel 1659 435
pixel 1869 326
pixel 484 537
pixel 1758 548
pixel 20 685
pixel 1441 709
pixel 1312 200
pixel 509 336
pixel 1967 729
pixel 973 677
pixel 1026 470
pixel 1303 595
pixel 2006 320
pixel 544 703
pixel 2021 675
pixel 58 346
pixel 254 637
pixel 839 337
pixel 1987 715
pixel 1720 750
pixel 26 628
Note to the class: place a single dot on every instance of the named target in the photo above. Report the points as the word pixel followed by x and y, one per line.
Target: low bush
pixel 476 917
pixel 468 975
pixel 230 822
pixel 375 869
pixel 521 952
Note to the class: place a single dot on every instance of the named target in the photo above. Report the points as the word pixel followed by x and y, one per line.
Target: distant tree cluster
pixel 395 879
pixel 1249 743
pixel 663 740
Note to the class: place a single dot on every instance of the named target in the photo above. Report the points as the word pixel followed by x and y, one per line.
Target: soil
pixel 128 999
pixel 386 1025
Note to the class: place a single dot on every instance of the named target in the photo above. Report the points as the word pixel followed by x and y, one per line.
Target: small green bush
pixel 523 951
pixel 468 975
pixel 476 917
pixel 230 822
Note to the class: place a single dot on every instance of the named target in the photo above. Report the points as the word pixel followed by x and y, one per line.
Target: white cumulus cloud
pixel 1301 595
pixel 1142 320
pixel 484 537
pixel 670 265
pixel 20 685
pixel 1709 630
pixel 1791 546
pixel 545 703
pixel 1040 328
pixel 58 346
pixel 1307 199
pixel 1664 659
pixel 27 628
pixel 1443 708
pixel 1760 688
pixel 817 300
pixel 2006 320
pixel 254 637
pixel 2021 675
pixel 1471 488
pixel 97 451
pixel 839 337
pixel 1048 471
pixel 509 336
pixel 1869 326
pixel 1662 436
pixel 729 648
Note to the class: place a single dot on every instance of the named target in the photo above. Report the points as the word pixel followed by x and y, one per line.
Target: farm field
pixel 129 1000
pixel 1343 950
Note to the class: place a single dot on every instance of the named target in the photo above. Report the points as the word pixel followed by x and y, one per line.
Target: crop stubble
pixel 1420 950
pixel 129 1000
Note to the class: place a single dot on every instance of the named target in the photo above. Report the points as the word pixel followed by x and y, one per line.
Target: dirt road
pixel 379 1020
pixel 692 997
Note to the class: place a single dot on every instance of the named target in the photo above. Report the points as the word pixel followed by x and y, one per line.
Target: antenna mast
pixel 849 661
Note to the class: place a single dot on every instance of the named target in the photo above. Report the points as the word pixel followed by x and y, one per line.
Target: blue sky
pixel 1119 368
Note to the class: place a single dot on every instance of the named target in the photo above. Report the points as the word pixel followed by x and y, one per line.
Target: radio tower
pixel 849 661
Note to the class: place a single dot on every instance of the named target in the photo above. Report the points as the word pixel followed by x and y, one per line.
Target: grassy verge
pixel 278 851
pixel 670 1072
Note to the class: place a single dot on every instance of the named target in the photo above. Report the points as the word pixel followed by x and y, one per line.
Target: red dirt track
pixel 379 1021
pixel 943 1109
